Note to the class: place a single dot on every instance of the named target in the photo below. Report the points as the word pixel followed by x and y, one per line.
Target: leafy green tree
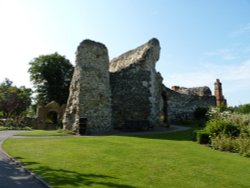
pixel 243 109
pixel 51 75
pixel 14 101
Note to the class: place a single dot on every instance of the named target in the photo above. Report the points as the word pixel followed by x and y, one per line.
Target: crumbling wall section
pixel 136 86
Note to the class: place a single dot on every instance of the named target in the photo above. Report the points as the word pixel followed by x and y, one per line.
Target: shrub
pixel 243 142
pixel 217 113
pixel 15 128
pixel 202 136
pixel 222 126
pixel 241 119
pixel 227 131
pixel 224 143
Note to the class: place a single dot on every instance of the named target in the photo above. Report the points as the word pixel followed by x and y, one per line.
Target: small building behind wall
pixel 49 116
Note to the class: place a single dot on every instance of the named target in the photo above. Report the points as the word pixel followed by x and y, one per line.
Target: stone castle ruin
pixel 126 93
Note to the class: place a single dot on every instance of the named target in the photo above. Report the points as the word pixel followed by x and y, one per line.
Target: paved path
pixel 11 175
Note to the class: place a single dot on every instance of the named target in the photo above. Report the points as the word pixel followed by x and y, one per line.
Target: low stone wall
pixel 182 106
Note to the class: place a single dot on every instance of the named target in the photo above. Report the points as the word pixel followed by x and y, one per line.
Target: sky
pixel 200 40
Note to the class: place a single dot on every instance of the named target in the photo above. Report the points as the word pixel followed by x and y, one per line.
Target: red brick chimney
pixel 220 100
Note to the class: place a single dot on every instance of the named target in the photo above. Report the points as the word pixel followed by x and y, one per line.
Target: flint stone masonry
pixel 127 92
pixel 181 106
pixel 136 86
pixel 199 91
pixel 89 104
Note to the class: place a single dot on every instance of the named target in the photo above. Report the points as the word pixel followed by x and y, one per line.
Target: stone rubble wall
pixel 182 106
pixel 126 90
pixel 136 86
pixel 90 95
pixel 199 91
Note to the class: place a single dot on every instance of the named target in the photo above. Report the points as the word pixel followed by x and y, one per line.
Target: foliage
pixel 51 75
pixel 4 128
pixel 229 131
pixel 14 101
pixel 202 136
pixel 243 109
pixel 16 123
pixel 224 143
pixel 239 144
pixel 243 142
pixel 170 160
pixel 222 126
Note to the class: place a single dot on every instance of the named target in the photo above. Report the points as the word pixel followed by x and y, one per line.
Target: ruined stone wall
pixel 128 89
pixel 136 86
pixel 200 91
pixel 90 97
pixel 182 106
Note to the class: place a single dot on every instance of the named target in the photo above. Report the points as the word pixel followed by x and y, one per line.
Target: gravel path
pixel 11 174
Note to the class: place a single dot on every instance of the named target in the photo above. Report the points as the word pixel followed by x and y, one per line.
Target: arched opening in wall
pixel 52 118
pixel 164 109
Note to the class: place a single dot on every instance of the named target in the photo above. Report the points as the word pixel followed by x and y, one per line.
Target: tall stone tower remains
pixel 220 100
pixel 88 108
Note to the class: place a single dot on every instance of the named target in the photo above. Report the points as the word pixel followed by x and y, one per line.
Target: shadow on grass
pixel 62 177
pixel 186 135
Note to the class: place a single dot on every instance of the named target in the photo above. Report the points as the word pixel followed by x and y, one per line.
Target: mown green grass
pixel 157 161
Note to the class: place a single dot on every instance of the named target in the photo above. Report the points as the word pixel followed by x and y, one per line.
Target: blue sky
pixel 200 40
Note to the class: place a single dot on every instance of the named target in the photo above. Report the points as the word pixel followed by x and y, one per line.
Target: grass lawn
pixel 158 161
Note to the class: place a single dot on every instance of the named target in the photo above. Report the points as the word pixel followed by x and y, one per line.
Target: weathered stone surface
pixel 90 98
pixel 128 91
pixel 136 86
pixel 182 106
pixel 199 91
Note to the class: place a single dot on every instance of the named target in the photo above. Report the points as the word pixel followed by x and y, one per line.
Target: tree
pixel 51 75
pixel 243 109
pixel 13 100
